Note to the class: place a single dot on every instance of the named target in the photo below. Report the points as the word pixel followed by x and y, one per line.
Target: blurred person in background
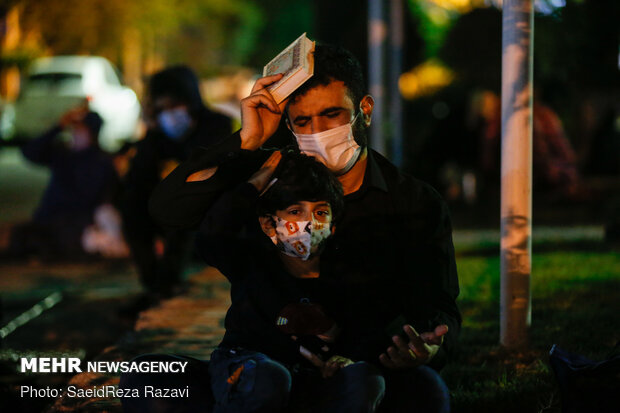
pixel 82 179
pixel 177 121
pixel 554 159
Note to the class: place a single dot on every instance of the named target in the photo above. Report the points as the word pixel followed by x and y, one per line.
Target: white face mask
pixel 300 239
pixel 335 148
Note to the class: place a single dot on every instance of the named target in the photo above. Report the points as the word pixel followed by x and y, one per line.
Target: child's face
pixel 306 239
pixel 319 211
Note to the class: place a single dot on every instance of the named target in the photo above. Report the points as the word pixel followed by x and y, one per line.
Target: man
pixel 392 256
pixel 177 122
pixel 82 178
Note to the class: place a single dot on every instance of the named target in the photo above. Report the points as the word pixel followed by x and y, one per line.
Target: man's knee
pixel 420 389
pixel 365 387
pixel 195 377
pixel 254 383
pixel 272 386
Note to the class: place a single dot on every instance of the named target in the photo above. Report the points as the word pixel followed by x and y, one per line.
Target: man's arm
pixel 181 200
pixel 221 240
pixel 436 282
pixel 44 149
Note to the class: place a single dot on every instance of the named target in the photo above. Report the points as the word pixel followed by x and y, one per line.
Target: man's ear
pixel 267 225
pixel 366 105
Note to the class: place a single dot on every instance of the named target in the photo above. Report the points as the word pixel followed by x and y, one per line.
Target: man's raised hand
pixel 260 114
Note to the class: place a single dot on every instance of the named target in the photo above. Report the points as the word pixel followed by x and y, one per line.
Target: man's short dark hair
pixel 331 63
pixel 301 178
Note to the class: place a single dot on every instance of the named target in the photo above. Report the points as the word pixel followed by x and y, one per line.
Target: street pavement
pixel 89 322
pixel 58 310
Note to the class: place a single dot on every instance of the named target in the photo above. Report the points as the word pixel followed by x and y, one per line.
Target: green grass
pixel 575 304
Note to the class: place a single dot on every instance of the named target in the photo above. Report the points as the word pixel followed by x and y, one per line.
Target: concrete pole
pixel 377 33
pixel 516 172
pixel 396 69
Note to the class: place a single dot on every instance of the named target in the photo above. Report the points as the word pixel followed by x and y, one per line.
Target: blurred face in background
pixel 172 117
pixel 81 137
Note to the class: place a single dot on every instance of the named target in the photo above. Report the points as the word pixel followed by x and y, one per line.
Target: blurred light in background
pixel 424 79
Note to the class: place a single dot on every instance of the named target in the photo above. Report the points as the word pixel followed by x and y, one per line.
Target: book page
pixel 286 62
pixel 295 63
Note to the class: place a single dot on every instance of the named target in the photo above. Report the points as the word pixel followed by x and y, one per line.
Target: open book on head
pixel 296 62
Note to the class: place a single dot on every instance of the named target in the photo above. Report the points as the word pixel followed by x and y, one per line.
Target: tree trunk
pixel 516 173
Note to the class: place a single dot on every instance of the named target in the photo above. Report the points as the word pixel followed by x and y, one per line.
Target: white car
pixel 54 85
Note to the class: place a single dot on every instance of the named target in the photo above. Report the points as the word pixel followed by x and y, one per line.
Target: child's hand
pixel 328 368
pixel 334 364
pixel 261 178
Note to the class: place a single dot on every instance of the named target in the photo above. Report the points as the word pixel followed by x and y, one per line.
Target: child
pixel 279 332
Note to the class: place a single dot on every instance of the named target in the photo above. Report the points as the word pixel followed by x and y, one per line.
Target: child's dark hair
pixel 301 178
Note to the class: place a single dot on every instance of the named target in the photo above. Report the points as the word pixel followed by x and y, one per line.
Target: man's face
pixel 321 108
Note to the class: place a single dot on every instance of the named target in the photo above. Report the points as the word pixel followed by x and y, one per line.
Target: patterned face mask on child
pixel 300 239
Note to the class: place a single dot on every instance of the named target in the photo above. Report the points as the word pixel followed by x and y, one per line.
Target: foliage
pixel 433 24
pixel 575 45
pixel 221 31
pixel 19 58
pixel 283 22
pixel 214 33
pixel 473 48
